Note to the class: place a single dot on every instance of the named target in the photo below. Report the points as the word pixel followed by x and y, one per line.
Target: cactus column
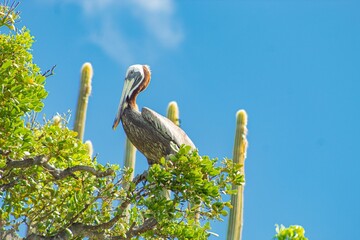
pixel 237 201
pixel 84 93
pixel 129 162
pixel 173 115
pixel 130 155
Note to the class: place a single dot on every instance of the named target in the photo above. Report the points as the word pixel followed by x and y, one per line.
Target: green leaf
pixel 6 64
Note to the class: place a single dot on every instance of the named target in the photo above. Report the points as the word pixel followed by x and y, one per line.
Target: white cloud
pixel 155 19
pixel 113 43
pixel 157 16
pixel 95 7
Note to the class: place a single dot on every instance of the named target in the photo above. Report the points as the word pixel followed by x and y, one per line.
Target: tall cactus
pixel 173 113
pixel 84 93
pixel 237 201
pixel 130 154
pixel 129 162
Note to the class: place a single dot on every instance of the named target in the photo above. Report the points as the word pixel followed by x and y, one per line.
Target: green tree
pixel 51 185
pixel 293 232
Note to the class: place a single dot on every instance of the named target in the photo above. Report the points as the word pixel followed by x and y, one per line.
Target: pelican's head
pixel 136 80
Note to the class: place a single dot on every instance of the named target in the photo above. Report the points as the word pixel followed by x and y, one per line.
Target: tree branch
pixel 147 225
pixel 6 186
pixel 58 174
pixel 79 229
pixel 97 231
pixel 25 163
pixel 141 177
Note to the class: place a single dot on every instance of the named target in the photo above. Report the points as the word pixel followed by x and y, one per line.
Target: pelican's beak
pixel 123 103
pixel 131 83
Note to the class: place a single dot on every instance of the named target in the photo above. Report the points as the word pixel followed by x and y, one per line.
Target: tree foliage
pixel 51 186
pixel 294 232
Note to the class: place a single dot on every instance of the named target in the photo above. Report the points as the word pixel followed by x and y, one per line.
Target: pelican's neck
pixel 129 109
pixel 132 100
pixel 141 87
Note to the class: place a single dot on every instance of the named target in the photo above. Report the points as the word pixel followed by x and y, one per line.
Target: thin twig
pixel 49 72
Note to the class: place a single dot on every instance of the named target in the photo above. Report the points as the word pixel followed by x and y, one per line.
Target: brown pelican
pixel 152 134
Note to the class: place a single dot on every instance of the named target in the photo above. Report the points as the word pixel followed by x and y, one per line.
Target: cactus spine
pixel 84 93
pixel 237 201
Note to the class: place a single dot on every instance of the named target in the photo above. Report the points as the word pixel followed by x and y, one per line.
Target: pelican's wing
pixel 166 127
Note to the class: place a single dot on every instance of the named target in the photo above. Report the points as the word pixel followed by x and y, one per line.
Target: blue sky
pixel 292 65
